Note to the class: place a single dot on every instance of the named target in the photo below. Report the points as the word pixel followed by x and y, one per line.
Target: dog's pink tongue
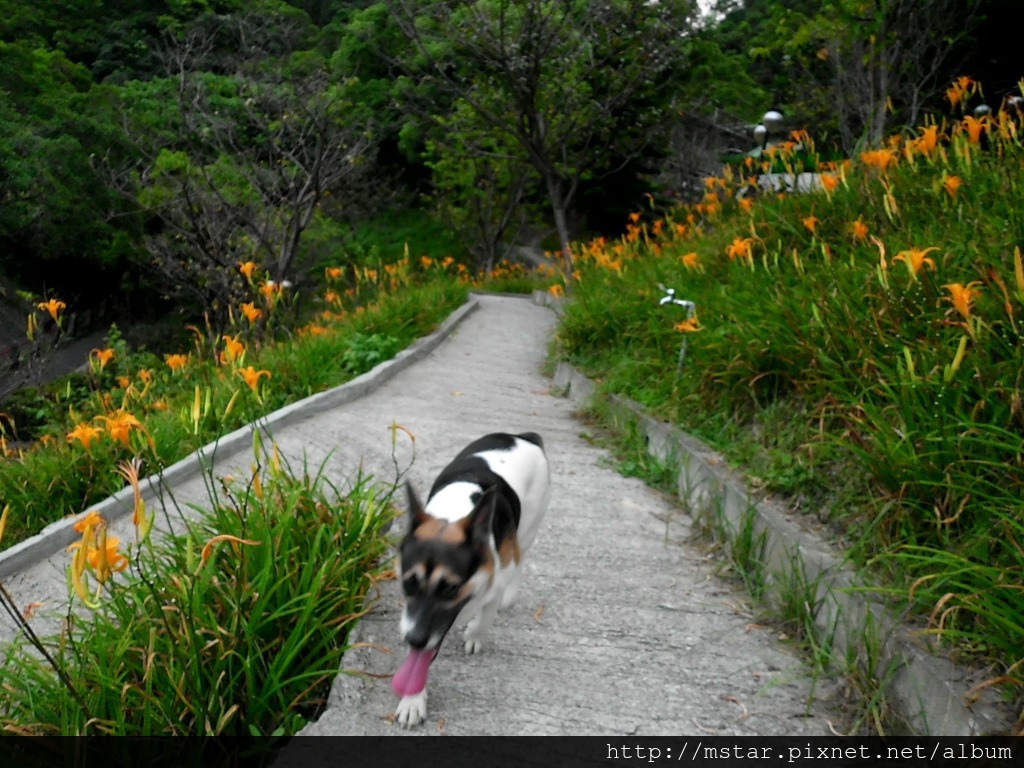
pixel 411 677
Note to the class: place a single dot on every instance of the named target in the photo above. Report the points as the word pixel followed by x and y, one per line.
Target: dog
pixel 462 553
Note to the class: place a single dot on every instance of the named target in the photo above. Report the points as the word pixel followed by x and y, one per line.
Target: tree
pixel 53 206
pixel 886 57
pixel 240 167
pixel 863 66
pixel 573 90
pixel 480 187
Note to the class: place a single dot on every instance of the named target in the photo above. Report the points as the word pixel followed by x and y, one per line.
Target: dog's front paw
pixel 473 636
pixel 412 710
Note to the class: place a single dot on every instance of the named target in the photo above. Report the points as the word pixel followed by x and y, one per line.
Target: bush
pixel 236 627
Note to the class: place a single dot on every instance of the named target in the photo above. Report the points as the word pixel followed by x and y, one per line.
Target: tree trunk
pixel 558 209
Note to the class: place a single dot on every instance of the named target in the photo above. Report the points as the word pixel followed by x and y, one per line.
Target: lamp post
pixel 769 128
pixel 773 122
pixel 761 136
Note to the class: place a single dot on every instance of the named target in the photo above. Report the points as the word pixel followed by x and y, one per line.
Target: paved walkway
pixel 621 625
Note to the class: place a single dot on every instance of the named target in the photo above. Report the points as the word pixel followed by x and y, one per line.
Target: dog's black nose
pixel 417 638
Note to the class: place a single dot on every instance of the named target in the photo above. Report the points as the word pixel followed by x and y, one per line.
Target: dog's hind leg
pixel 479 625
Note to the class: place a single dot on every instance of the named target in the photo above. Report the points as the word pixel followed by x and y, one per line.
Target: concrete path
pixel 621 625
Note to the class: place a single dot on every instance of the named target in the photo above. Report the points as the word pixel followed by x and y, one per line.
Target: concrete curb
pixel 60 534
pixel 930 693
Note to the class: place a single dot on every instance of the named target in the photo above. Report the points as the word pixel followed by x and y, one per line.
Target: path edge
pixel 60 534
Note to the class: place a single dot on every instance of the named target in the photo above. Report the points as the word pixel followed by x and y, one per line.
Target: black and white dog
pixel 463 552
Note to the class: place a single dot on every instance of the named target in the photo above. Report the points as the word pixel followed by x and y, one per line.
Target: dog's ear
pixel 479 523
pixel 417 514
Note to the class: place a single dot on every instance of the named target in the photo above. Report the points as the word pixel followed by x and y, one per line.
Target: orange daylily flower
pixel 333 273
pixel 961 296
pixel 252 376
pixel 86 434
pixel 251 311
pixel 928 140
pixel 811 224
pixel 741 247
pixel 689 325
pixel 54 307
pixel 103 558
pixel 860 230
pixel 234 350
pixel 952 184
pixel 97 552
pixel 915 259
pixel 747 204
pixel 879 158
pixel 556 290
pixel 957 93
pixel 974 126
pixel 120 426
pixel 270 290
pixel 247 268
pixel 691 260
pixel 102 356
pixel 92 519
pixel 176 362
pixel 829 181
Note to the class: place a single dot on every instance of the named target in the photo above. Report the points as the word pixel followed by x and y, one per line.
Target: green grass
pixel 839 377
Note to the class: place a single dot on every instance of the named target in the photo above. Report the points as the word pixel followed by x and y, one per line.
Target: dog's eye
pixel 447 591
pixel 411 585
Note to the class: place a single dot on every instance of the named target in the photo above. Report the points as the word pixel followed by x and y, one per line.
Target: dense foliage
pixel 141 143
